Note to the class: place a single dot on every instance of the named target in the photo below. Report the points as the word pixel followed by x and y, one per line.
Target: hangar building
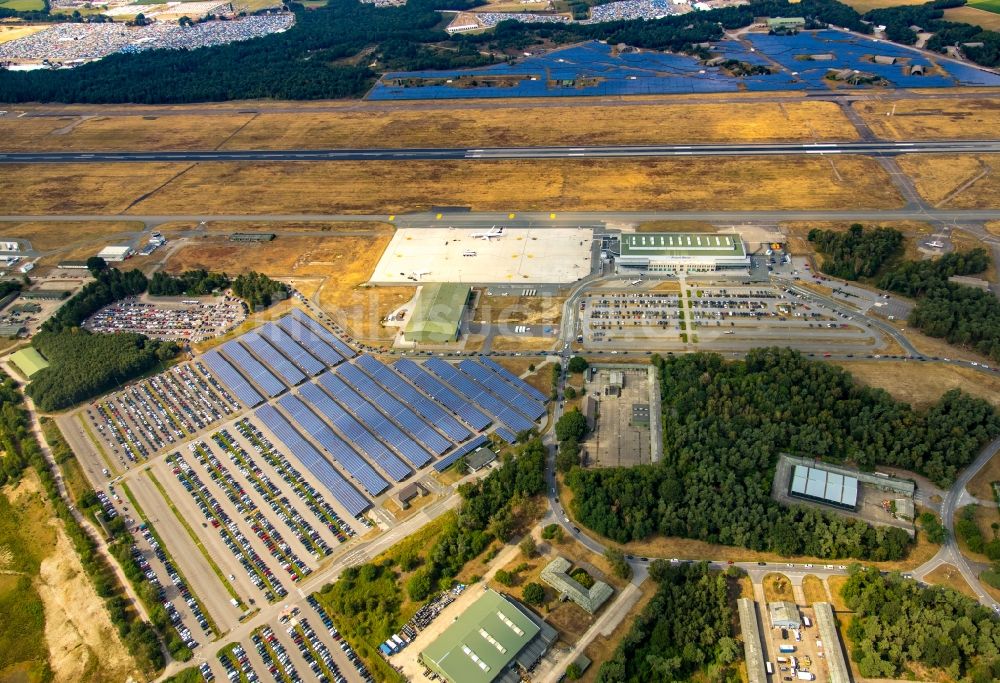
pixel 488 641
pixel 674 253
pixel 437 315
pixel 830 488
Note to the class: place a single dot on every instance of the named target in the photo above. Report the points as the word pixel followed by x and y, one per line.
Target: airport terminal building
pixel 673 253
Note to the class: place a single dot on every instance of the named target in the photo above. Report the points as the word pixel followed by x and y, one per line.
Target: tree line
pixel 964 316
pixel 256 289
pixel 306 62
pixel 724 425
pixel 857 252
pixel 83 365
pixel 683 633
pixel 190 282
pixel 109 285
pixel 897 622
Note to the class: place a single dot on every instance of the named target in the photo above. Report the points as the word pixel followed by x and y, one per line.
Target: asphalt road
pixel 441 153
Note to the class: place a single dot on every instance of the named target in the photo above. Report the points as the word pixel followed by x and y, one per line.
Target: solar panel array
pixel 492 381
pixel 513 379
pixel 505 434
pixel 355 433
pixel 291 348
pixel 376 422
pixel 252 368
pixel 394 408
pixel 450 459
pixel 478 395
pixel 339 488
pixel 471 415
pixel 233 380
pixel 278 363
pixel 434 413
pixel 321 332
pixel 355 465
pixel 310 341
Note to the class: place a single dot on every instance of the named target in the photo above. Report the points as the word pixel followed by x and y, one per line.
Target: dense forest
pixel 13 429
pixel 305 62
pixel 257 289
pixel 83 365
pixel 724 424
pixel 857 252
pixel 962 315
pixel 683 633
pixel 109 285
pixel 190 283
pixel 897 622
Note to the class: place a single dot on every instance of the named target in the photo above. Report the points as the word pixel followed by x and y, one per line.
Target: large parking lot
pixel 719 316
pixel 188 320
pixel 156 413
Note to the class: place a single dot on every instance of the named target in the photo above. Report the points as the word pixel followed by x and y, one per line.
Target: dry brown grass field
pixel 924 387
pixel 343 262
pixel 9 33
pixel 971 15
pixel 542 185
pixel 814 590
pixel 524 310
pixel 47 236
pixel 363 187
pixel 959 181
pixel 119 133
pixel 79 188
pixel 932 118
pixel 981 485
pixel 948 575
pixel 778 587
pixel 514 123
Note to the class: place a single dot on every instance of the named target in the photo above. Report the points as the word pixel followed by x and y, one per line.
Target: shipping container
pixel 786 648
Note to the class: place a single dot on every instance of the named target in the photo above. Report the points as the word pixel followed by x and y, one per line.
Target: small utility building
pixel 437 316
pixel 784 614
pixel 488 642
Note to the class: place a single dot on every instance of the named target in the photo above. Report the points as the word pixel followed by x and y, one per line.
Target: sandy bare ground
pixel 83 644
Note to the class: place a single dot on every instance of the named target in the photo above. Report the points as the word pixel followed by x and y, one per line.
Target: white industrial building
pixel 675 253
pixel 115 254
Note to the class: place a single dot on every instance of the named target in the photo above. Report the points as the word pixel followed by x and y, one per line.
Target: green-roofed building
pixel 680 252
pixel 29 361
pixel 437 316
pixel 488 642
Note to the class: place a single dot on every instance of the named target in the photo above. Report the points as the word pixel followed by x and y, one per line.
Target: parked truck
pixel 806 622
pixel 786 648
pixel 805 676
pixel 782 660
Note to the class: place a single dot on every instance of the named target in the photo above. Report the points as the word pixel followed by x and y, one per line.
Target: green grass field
pixel 24 542
pixel 23 5
pixel 987 5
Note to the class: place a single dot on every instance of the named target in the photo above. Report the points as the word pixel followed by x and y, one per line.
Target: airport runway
pixel 881 149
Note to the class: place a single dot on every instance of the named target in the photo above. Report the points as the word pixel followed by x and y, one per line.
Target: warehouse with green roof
pixel 437 316
pixel 489 641
pixel 29 361
pixel 675 253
